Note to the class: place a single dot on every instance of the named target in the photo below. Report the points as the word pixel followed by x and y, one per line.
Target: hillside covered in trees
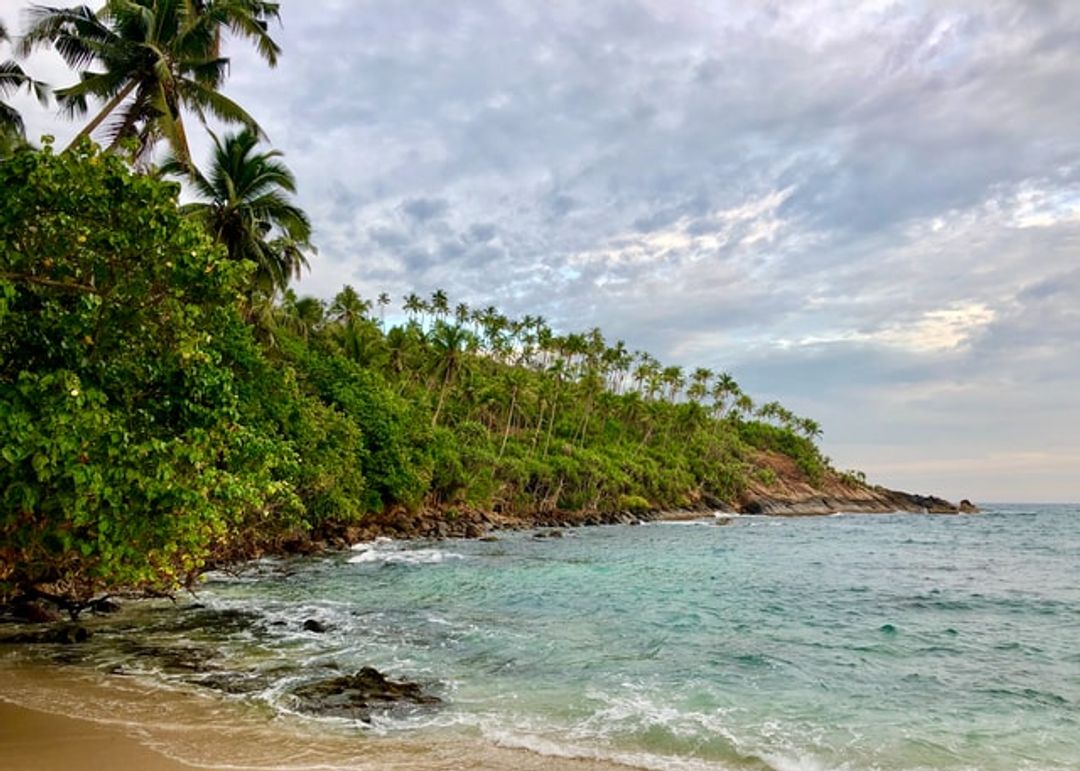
pixel 158 410
pixel 167 401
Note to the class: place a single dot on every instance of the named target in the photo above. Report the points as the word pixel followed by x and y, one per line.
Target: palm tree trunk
pixel 442 398
pixel 111 105
pixel 509 419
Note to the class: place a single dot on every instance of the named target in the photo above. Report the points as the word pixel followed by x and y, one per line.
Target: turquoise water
pixel 845 642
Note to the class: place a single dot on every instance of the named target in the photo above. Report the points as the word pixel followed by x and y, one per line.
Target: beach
pixel 62 718
pixel 39 741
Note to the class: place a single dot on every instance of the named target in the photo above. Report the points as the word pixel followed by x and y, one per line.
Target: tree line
pixel 166 399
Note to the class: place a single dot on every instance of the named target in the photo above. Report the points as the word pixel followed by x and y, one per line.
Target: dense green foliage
pixel 123 456
pixel 153 415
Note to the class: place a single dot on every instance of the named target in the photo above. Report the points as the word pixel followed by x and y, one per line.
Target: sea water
pixel 846 642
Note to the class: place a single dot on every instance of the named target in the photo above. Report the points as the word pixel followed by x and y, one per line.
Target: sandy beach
pixel 39 741
pixel 62 718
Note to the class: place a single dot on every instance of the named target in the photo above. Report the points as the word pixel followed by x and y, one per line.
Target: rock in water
pixel 314 625
pixel 355 696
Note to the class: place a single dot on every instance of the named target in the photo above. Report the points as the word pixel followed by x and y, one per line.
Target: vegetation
pixel 166 400
pixel 12 80
pixel 153 59
pixel 245 208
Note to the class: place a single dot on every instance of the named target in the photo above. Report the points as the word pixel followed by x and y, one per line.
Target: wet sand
pixel 58 718
pixel 38 741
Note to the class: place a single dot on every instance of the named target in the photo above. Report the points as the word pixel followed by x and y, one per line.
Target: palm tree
pixel 348 307
pixel 413 305
pixel 440 304
pixel 154 59
pixel 12 78
pixel 246 208
pixel 450 341
pixel 384 300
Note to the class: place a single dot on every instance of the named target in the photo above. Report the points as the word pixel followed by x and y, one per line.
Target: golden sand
pixel 66 718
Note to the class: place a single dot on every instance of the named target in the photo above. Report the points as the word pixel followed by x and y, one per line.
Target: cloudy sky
pixel 869 211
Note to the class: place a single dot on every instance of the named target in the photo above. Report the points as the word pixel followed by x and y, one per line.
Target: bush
pixel 122 459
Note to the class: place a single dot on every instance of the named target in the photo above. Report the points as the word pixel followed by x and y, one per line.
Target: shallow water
pixel 845 642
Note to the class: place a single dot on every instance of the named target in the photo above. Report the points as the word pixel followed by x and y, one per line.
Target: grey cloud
pixel 481 232
pixel 424 209
pixel 583 161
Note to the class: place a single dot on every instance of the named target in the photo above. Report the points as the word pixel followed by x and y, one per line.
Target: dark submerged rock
pixel 66 634
pixel 357 695
pixel 314 625
pixel 38 613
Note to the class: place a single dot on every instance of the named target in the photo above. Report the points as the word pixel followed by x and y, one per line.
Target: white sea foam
pixel 541 745
pixel 390 553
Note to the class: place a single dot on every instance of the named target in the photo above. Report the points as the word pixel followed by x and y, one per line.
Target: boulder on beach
pixel 357 695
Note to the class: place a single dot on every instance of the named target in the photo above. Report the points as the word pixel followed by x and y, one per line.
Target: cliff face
pixel 790 493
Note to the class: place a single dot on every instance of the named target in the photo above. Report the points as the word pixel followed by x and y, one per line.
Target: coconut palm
pixel 384 300
pixel 450 343
pixel 151 60
pixel 246 207
pixel 348 307
pixel 12 79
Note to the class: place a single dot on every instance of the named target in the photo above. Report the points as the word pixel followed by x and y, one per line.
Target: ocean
pixel 846 642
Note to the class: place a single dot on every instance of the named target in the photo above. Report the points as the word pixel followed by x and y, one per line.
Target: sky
pixel 869 211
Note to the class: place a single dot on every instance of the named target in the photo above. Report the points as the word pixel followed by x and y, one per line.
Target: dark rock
pixel 235 683
pixel 37 613
pixel 67 634
pixel 179 659
pixel 473 531
pixel 489 539
pixel 548 534
pixel 967 507
pixel 357 695
pixel 104 606
pixel 314 625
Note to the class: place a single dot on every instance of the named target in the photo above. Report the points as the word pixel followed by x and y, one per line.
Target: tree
pixel 440 304
pixel 384 301
pixel 450 342
pixel 152 60
pixel 348 307
pixel 12 79
pixel 122 456
pixel 245 207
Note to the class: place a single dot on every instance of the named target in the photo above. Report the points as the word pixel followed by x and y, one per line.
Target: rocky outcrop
pixel 788 492
pixel 872 501
pixel 359 695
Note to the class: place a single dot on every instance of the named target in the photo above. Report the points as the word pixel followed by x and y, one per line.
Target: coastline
pixel 59 718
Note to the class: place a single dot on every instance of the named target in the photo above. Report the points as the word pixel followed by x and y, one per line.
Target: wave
pixel 386 552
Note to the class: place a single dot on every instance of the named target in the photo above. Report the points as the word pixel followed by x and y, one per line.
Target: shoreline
pixel 56 718
pixel 34 740
pixel 793 500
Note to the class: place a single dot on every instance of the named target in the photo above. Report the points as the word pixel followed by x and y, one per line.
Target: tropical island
pixel 249 519
pixel 167 402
